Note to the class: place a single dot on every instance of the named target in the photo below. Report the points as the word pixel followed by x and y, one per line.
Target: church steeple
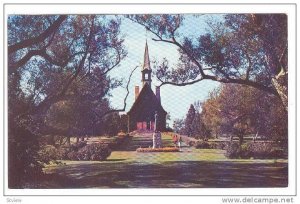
pixel 146 58
pixel 146 70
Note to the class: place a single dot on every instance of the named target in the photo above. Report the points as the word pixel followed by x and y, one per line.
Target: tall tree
pixel 239 110
pixel 211 113
pixel 188 127
pixel 54 60
pixel 198 128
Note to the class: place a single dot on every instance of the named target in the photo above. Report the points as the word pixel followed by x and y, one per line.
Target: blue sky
pixel 175 100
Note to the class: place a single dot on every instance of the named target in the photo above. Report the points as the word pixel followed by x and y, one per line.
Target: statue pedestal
pixel 157 140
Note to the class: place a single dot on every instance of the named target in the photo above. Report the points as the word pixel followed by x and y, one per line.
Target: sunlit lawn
pixel 192 168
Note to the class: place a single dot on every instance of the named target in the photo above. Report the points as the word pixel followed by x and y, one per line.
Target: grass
pixel 193 168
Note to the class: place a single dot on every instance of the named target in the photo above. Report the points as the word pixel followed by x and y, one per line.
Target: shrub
pixel 211 145
pixel 233 150
pixel 202 145
pixel 114 144
pixel 94 152
pixel 277 153
pixel 74 152
pixel 23 155
pixel 245 152
pixel 222 145
pixel 75 147
pixel 49 153
pixel 256 150
pixel 262 150
pixel 72 156
pixel 192 143
pixel 62 153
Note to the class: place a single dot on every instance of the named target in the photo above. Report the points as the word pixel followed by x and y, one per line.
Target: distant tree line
pixel 236 111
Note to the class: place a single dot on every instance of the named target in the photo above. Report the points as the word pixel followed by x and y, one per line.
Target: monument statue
pixel 155 121
pixel 156 135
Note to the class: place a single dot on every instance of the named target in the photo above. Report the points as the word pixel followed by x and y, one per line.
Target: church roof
pixel 145 100
pixel 146 59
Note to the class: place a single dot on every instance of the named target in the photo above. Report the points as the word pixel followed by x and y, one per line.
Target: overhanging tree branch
pixel 40 38
pixel 223 80
pixel 125 99
pixel 55 97
pixel 192 58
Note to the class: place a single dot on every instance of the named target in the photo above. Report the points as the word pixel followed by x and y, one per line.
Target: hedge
pixel 256 150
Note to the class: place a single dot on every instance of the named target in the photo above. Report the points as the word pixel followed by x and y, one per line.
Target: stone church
pixel 146 104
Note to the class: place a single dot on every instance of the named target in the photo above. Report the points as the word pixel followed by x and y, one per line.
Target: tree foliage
pixel 58 80
pixel 192 125
pixel 239 110
pixel 239 48
pixel 188 123
pixel 211 115
pixel 178 126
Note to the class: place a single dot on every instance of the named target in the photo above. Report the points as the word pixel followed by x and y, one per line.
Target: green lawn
pixel 193 168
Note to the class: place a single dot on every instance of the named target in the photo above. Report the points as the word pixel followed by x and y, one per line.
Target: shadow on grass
pixel 181 174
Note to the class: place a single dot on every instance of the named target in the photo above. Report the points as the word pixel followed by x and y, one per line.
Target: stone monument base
pixel 157 140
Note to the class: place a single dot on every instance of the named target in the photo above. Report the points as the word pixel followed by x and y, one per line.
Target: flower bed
pixel 164 149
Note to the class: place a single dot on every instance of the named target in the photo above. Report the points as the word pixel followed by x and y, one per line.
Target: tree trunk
pixel 278 72
pixel 68 140
pixel 61 140
pixel 280 85
pixel 52 140
pixel 241 139
pixel 217 134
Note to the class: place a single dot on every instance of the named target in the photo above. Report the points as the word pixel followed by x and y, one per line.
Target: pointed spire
pixel 146 58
